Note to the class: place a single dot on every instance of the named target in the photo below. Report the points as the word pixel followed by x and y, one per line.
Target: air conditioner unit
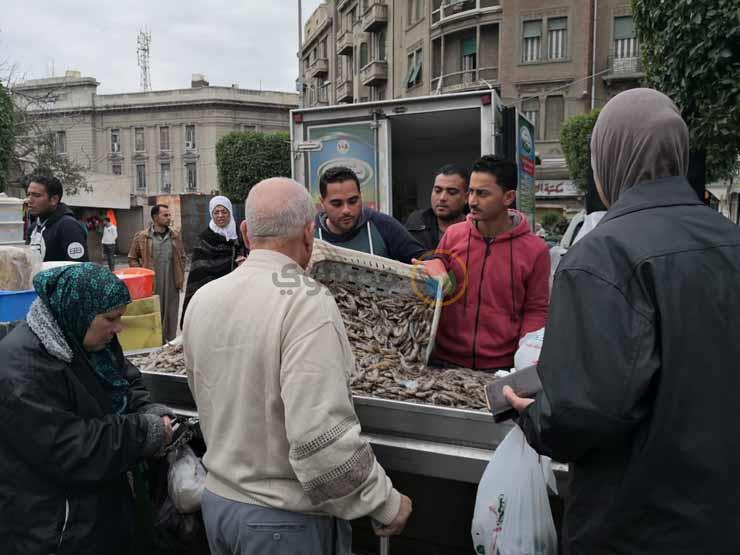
pixel 189 145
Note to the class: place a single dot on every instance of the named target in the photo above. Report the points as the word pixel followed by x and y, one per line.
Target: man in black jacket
pixel 449 197
pixel 58 235
pixel 639 363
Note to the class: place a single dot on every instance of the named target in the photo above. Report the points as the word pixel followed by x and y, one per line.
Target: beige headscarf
pixel 639 136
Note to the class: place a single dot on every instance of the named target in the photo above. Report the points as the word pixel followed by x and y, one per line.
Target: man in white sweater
pixel 268 364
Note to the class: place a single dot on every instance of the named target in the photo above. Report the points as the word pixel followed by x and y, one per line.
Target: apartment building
pixel 537 54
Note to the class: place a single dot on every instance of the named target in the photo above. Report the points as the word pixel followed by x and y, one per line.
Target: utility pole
pixel 301 77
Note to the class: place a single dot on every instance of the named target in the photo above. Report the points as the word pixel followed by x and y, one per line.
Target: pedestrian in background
pixel 160 248
pixel 110 235
pixel 218 251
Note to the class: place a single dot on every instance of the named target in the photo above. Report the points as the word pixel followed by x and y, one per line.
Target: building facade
pixel 141 146
pixel 539 55
pixel 159 142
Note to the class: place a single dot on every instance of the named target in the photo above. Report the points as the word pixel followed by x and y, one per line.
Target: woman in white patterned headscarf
pixel 218 251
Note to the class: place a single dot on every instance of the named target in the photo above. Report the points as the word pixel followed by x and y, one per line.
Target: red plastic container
pixel 139 281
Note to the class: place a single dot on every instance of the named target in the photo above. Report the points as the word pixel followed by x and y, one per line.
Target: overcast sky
pixel 229 41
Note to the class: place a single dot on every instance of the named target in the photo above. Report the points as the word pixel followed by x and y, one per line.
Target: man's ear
pixel 243 231
pixel 509 198
pixel 308 233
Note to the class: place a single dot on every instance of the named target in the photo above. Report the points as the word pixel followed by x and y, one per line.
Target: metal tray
pixel 377 416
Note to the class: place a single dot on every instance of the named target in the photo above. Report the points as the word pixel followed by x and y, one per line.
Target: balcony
pixel 467 80
pixel 319 68
pixel 341 4
pixel 448 10
pixel 345 90
pixel 375 17
pixel 345 43
pixel 374 73
pixel 624 68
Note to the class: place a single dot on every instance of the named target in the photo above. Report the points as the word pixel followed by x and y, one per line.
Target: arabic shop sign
pixel 551 188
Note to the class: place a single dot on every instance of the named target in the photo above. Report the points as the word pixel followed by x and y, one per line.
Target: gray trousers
pixel 235 528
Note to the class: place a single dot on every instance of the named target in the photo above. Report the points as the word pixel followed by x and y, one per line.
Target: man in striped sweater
pixel 269 364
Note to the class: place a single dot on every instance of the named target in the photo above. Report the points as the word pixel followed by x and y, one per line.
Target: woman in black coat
pixel 218 251
pixel 76 419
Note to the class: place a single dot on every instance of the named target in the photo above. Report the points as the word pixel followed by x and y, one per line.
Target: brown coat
pixel 140 254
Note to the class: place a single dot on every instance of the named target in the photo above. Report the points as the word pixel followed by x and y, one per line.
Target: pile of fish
pixel 389 335
pixel 170 359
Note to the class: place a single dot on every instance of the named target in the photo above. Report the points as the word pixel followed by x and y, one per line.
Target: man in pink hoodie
pixel 500 270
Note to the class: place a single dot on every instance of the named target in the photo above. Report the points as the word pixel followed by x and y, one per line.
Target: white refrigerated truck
pixel 395 146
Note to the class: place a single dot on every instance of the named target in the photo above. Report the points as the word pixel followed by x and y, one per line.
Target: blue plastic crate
pixel 14 305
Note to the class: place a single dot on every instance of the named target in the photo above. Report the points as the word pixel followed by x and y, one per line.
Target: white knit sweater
pixel 268 364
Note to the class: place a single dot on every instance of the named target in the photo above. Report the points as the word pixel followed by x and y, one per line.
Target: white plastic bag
pixel 186 479
pixel 530 346
pixel 512 512
pixel 18 265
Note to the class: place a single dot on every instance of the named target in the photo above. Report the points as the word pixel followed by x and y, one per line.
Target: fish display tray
pixel 336 265
pixel 379 416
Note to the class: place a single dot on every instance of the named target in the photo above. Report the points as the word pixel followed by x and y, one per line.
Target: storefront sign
pixel 554 189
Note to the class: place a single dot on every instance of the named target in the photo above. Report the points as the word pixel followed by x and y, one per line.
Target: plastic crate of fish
pixel 386 305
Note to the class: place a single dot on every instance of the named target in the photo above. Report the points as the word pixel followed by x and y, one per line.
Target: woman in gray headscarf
pixel 638 364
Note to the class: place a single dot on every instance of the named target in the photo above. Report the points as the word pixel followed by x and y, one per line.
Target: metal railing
pixel 469 78
pixel 448 9
pixel 625 66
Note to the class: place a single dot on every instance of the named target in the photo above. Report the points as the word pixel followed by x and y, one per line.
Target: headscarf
pixel 230 230
pixel 75 295
pixel 639 136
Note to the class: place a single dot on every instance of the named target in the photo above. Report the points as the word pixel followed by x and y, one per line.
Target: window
pixel 322 49
pixel 557 29
pixel 554 113
pixel 139 139
pixel 141 177
pixel 116 169
pixel 115 140
pixel 165 177
pixel 250 128
pixel 531 110
pixel 410 14
pixel 625 43
pixel 380 45
pixel 532 33
pixel 469 59
pixel 191 183
pixel 413 76
pixel 190 136
pixel 164 138
pixel 363 55
pixel 419 7
pixel 60 142
pixel 322 91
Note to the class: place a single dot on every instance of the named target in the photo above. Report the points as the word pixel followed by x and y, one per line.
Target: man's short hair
pixel 156 208
pixel 52 185
pixel 335 175
pixel 503 170
pixel 107 219
pixel 454 169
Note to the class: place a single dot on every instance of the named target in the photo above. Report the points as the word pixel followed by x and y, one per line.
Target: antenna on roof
pixel 143 44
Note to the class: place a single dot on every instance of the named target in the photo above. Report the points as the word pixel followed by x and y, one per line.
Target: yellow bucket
pixel 142 325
